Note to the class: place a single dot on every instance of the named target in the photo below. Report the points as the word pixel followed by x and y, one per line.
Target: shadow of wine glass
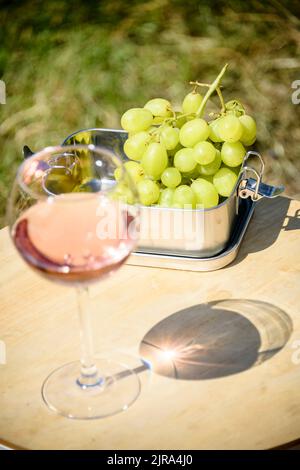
pixel 216 339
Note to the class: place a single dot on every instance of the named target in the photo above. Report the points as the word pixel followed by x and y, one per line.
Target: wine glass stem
pixel 89 373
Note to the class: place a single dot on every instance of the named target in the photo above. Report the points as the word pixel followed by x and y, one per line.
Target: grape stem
pixel 198 84
pixel 213 87
pixel 218 89
pixel 223 107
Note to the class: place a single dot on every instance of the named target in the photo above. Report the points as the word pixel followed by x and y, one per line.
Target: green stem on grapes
pixel 197 84
pixel 218 90
pixel 223 107
pixel 155 133
pixel 165 121
pixel 184 115
pixel 215 84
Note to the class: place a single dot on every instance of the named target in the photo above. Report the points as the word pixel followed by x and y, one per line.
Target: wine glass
pixel 73 223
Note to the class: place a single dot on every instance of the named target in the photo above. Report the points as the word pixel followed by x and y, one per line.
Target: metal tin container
pixel 212 263
pixel 193 233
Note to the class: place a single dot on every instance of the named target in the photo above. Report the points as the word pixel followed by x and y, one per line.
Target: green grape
pixel 159 107
pixel 123 193
pixel 230 128
pixel 204 153
pixel 248 143
pixel 155 160
pixel 118 174
pixel 225 181
pixel 184 160
pixel 214 131
pixel 233 153
pixel 184 195
pixel 193 132
pixel 169 136
pixel 249 130
pixel 191 102
pixel 148 192
pixel 211 168
pixel 235 108
pixel 136 120
pixel 135 171
pixel 206 193
pixel 166 197
pixel 171 177
pixel 135 146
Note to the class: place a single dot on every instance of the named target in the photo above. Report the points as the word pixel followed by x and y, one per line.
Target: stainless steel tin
pixel 212 263
pixel 206 232
pixel 187 232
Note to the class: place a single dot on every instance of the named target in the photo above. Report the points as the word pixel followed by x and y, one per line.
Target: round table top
pixel 237 331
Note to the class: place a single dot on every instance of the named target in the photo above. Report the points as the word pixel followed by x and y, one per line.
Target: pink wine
pixel 76 237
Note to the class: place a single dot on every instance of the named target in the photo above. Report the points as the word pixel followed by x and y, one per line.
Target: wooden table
pixel 249 399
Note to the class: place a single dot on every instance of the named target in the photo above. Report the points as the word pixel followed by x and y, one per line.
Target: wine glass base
pixel 117 389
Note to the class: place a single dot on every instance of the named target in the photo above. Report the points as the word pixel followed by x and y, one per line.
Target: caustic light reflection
pixel 171 356
pixel 179 353
pixel 167 354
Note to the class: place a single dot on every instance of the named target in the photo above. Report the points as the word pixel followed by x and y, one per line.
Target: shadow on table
pixel 292 221
pixel 216 339
pixel 270 217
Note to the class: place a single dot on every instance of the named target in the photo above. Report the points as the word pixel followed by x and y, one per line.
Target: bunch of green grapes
pixel 179 158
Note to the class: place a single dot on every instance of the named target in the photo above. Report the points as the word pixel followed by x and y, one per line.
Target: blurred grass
pixel 71 65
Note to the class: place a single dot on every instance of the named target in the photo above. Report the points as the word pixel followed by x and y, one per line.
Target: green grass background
pixel 71 65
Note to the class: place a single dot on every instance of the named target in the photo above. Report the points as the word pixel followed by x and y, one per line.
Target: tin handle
pixel 254 187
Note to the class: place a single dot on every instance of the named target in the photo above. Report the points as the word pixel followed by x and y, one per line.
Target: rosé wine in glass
pixel 74 237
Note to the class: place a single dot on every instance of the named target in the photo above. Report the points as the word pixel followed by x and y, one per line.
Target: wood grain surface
pixel 235 383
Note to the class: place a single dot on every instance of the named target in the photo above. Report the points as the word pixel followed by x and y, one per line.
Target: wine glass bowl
pixel 58 209
pixel 71 222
